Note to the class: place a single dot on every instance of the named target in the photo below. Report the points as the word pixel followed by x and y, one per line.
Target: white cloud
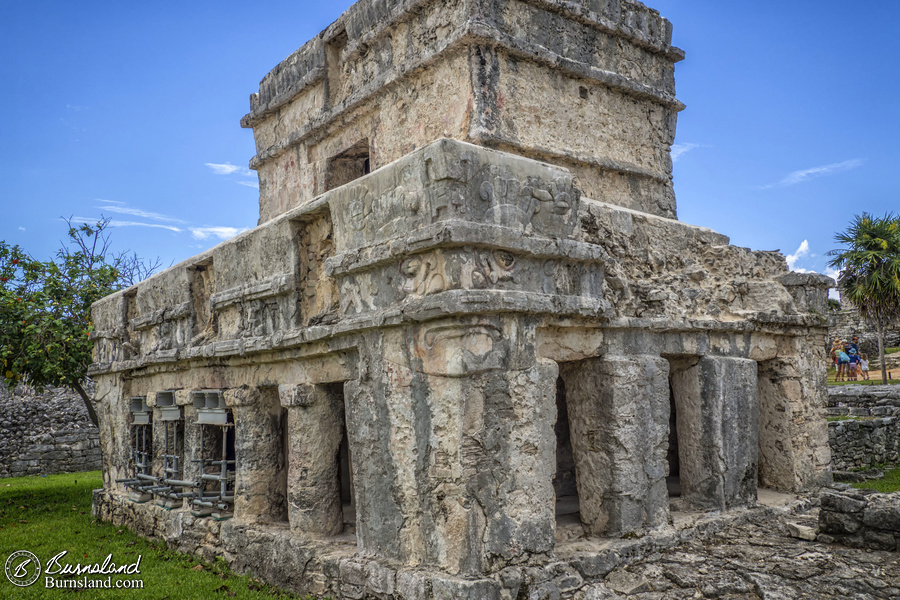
pixel 223 168
pixel 806 174
pixel 21 228
pixel 223 233
pixel 792 259
pixel 228 169
pixel 250 184
pixel 114 223
pixel 136 212
pixel 679 150
pixel 105 201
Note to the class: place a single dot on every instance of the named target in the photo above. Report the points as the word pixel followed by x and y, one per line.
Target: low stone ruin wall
pixel 868 433
pixel 860 519
pixel 42 434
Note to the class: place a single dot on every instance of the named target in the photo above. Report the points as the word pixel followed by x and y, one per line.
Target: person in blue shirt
pixel 854 363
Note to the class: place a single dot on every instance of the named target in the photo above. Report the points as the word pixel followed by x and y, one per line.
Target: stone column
pixel 260 479
pixel 189 432
pixel 315 427
pixel 718 431
pixel 451 433
pixel 794 451
pixel 112 404
pixel 619 423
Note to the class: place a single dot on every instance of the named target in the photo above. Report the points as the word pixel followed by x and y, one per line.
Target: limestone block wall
pixel 864 400
pixel 869 432
pixel 861 519
pixel 43 434
pixel 864 442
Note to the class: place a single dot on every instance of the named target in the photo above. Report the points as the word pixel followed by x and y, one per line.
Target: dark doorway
pixel 565 482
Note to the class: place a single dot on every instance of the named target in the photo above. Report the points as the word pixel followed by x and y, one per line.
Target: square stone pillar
pixel 717 406
pixel 315 427
pixel 260 478
pixel 794 454
pixel 619 423
pixel 451 433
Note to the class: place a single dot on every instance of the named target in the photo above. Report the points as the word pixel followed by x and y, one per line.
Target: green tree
pixel 870 271
pixel 45 307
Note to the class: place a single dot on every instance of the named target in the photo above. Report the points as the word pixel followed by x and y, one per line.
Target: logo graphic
pixel 22 568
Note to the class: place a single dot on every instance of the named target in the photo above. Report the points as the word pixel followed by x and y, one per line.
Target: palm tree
pixel 870 271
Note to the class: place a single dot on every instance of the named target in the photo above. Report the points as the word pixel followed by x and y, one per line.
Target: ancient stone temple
pixel 469 341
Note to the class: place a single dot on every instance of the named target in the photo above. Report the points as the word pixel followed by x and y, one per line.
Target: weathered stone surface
pixel 801 532
pixel 619 413
pixel 861 519
pixel 846 502
pixel 717 408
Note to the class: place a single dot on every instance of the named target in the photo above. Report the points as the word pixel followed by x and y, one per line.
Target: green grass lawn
pixel 890 483
pixel 874 379
pixel 46 515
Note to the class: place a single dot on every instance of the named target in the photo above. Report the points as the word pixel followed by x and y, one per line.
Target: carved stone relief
pixel 318 295
pixel 453 350
pixel 425 274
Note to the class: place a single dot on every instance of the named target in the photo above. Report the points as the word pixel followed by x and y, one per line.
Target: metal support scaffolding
pixel 142 458
pixel 213 491
pixel 171 491
pixel 141 452
pixel 217 473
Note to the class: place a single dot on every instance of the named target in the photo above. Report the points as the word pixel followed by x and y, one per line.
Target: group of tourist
pixel 849 363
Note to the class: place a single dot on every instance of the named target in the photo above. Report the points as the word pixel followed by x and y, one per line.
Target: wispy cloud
pixel 223 233
pixel 228 168
pixel 21 228
pixel 136 212
pixel 815 172
pixel 801 251
pixel 162 222
pixel 105 201
pixel 116 223
pixel 679 150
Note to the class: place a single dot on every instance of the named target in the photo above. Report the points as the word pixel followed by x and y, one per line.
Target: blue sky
pixel 131 110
